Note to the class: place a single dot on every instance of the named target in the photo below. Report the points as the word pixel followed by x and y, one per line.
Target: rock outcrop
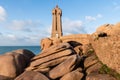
pixel 100 77
pixel 55 61
pixel 64 68
pixel 31 75
pixel 13 63
pixel 108 47
pixel 73 57
pixel 74 75
pixel 109 29
pixel 46 43
pixel 62 62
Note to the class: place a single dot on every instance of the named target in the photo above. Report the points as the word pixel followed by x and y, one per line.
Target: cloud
pixel 93 18
pixel 29 32
pixel 21 40
pixel 69 27
pixel 72 26
pixel 90 18
pixel 99 16
pixel 24 32
pixel 2 14
pixel 11 37
pixel 116 5
pixel 24 25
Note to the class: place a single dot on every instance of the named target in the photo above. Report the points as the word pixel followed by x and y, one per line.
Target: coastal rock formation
pixel 13 63
pixel 62 62
pixel 46 43
pixel 109 29
pixel 56 41
pixel 64 68
pixel 74 75
pixel 53 49
pixel 108 47
pixel 73 57
pixel 51 57
pixel 57 61
pixel 100 77
pixel 31 75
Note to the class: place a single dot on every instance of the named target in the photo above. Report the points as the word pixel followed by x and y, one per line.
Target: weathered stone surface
pixel 47 64
pixel 78 50
pixel 28 54
pixel 46 43
pixel 106 28
pixel 56 41
pixel 110 29
pixel 74 75
pixel 54 62
pixel 5 78
pixel 53 49
pixel 80 38
pixel 31 75
pixel 64 67
pixel 42 70
pixel 87 48
pixel 99 77
pixel 94 68
pixel 7 66
pixel 14 63
pixel 51 57
pixel 108 48
pixel 90 60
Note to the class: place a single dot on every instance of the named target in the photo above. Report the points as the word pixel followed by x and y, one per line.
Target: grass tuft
pixel 105 70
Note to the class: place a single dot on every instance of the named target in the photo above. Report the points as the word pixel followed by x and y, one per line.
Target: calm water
pixel 34 49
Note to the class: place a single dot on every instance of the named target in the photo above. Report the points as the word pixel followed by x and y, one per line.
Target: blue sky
pixel 26 22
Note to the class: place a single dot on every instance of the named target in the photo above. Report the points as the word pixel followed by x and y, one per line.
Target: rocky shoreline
pixel 93 57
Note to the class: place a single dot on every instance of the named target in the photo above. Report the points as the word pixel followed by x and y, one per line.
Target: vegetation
pixel 105 70
pixel 90 51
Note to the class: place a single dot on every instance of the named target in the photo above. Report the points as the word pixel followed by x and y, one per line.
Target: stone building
pixel 56 23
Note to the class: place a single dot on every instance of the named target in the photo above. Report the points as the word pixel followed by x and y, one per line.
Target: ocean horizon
pixel 5 49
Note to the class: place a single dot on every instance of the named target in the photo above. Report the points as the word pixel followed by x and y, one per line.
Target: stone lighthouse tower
pixel 56 23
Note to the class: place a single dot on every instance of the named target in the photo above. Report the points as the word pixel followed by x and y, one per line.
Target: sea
pixel 34 49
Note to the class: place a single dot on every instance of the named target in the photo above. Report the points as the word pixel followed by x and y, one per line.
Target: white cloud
pixel 69 27
pixel 23 25
pixel 11 36
pixel 77 26
pixel 2 14
pixel 99 16
pixel 116 5
pixel 90 18
pixel 72 26
pixel 38 31
pixel 17 33
pixel 13 39
pixel 93 18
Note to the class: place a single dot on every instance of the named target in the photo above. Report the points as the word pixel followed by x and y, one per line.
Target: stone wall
pixel 80 38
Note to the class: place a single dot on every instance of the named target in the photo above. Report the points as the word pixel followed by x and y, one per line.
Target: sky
pixel 26 22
